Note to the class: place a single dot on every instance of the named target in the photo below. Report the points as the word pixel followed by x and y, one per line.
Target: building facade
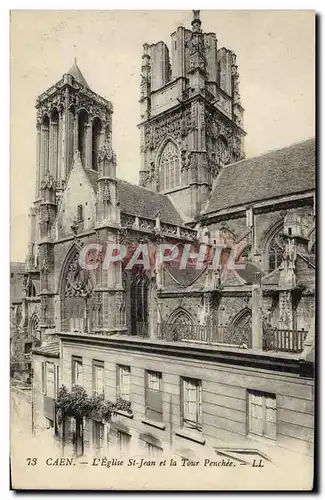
pixel 214 359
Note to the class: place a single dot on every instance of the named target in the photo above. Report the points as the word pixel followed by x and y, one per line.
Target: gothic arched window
pixel 276 249
pixel 139 305
pixel 55 142
pixel 181 326
pixel 222 150
pixel 96 132
pixel 169 167
pixel 240 331
pixel 34 326
pixel 76 297
pixel 45 146
pixel 244 256
pixel 82 134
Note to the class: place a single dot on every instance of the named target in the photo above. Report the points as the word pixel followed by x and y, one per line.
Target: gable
pixel 78 191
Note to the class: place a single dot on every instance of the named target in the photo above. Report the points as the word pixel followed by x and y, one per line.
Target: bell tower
pixel 191 116
pixel 70 117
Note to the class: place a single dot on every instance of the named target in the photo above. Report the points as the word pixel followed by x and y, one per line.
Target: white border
pixel 316 5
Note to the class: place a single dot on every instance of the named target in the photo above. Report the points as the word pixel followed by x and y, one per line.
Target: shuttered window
pixel 57 380
pixel 98 436
pixel 191 403
pixel 154 410
pixel 98 378
pixel 123 441
pixel 262 414
pixel 76 370
pixel 50 376
pixel 123 382
pixel 152 450
pixel 43 378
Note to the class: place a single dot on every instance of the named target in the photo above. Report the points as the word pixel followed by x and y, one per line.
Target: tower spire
pixel 196 22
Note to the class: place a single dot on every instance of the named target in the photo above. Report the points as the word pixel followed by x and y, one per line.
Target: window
pixel 169 167
pixel 98 436
pixel 98 378
pixel 152 450
pixel 123 382
pixel 154 409
pixel 82 135
pixel 49 379
pixel 123 441
pixel 80 215
pixel 96 134
pixel 222 150
pixel 191 403
pixel 276 250
pixel 57 380
pixel 262 414
pixel 43 378
pixel 139 305
pixel 76 371
pixel 28 347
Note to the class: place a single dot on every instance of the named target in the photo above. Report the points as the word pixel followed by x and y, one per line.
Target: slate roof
pixel 143 202
pixel 272 278
pixel 140 201
pixel 285 171
pixel 51 349
pixel 77 75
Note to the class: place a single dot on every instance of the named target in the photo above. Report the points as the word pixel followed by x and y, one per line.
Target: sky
pixel 275 55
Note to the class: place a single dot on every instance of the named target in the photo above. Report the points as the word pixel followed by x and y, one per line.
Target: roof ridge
pixel 269 151
pixel 141 187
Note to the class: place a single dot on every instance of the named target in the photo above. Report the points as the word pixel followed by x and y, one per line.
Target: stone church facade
pixel 209 359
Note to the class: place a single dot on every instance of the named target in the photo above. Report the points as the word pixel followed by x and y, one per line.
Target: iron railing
pixel 196 333
pixel 273 339
pixel 141 329
pixel 284 340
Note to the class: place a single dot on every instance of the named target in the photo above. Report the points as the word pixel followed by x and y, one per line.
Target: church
pixel 209 360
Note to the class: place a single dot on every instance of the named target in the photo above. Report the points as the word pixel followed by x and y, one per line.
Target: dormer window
pixel 80 215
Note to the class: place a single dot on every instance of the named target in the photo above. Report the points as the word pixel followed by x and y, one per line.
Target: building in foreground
pixel 209 360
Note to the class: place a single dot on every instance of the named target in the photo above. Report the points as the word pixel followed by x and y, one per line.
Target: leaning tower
pixel 191 116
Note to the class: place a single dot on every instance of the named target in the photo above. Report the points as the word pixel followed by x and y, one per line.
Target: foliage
pixel 78 404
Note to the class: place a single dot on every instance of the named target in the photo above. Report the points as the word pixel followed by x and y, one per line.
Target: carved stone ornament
pixel 106 153
pixel 76 156
pixel 95 105
pixel 185 160
pixel 77 280
pixel 74 226
pixel 98 301
pixel 48 182
pixel 178 125
pixel 107 193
